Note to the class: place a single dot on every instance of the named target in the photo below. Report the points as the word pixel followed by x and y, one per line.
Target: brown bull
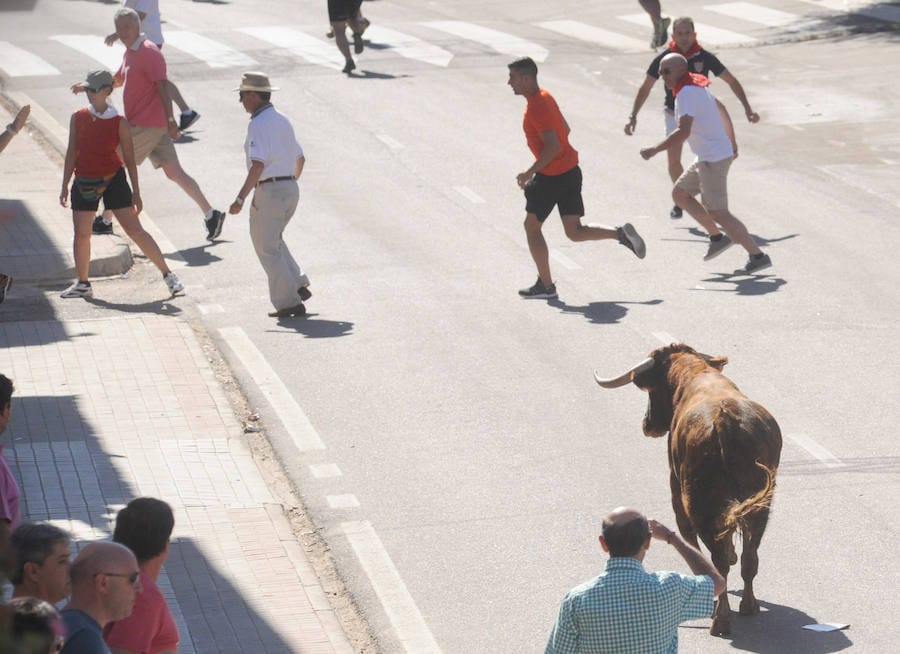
pixel 724 451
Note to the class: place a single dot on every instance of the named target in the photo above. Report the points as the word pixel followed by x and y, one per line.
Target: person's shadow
pixel 600 313
pixel 743 284
pixel 777 629
pixel 312 327
pixel 159 307
pixel 199 256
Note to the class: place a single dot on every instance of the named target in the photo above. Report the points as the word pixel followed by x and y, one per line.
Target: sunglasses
pixel 132 577
pixel 665 71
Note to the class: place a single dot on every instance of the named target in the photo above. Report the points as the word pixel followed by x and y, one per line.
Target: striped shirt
pixel 628 610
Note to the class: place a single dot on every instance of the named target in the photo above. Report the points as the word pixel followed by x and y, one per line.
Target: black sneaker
pixel 187 119
pixel 629 237
pixel 717 246
pixel 5 283
pixel 358 42
pixel 101 227
pixel 349 67
pixel 754 264
pixel 676 212
pixel 304 293
pixel 214 225
pixel 539 291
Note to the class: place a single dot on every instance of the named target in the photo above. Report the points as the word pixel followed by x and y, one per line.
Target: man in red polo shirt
pixel 554 179
pixel 148 110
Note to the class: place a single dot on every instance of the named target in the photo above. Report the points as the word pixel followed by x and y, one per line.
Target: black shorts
pixel 544 192
pixel 342 9
pixel 86 193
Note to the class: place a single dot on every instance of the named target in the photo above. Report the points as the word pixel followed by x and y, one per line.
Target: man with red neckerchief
pixel 684 42
pixel 705 124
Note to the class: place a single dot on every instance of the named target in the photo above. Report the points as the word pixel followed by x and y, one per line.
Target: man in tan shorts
pixel 705 124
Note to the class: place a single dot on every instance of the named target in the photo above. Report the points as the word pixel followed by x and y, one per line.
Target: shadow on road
pixel 744 284
pixel 313 327
pixel 198 256
pixel 162 307
pixel 600 313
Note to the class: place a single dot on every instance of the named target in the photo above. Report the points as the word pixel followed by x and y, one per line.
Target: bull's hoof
pixel 720 628
pixel 749 607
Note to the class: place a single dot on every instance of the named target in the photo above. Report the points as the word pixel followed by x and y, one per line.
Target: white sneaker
pixel 78 289
pixel 174 284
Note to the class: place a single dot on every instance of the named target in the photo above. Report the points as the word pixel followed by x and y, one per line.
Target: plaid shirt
pixel 626 609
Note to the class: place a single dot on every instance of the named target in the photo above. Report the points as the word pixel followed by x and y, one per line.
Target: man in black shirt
pixel 684 42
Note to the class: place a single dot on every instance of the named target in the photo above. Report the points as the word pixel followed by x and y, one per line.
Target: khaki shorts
pixel 153 142
pixel 710 180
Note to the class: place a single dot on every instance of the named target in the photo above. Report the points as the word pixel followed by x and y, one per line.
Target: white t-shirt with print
pixel 708 138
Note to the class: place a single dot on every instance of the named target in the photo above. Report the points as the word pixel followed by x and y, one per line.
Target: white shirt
pixel 708 138
pixel 152 23
pixel 271 140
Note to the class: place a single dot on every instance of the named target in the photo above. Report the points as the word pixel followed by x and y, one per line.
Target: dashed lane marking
pixel 755 13
pixel 92 45
pixel 665 338
pixel 409 46
pixel 591 34
pixel 502 42
pixel 828 459
pixel 407 620
pixel 325 470
pixel 214 54
pixel 389 141
pixel 346 501
pixel 279 397
pixel 563 260
pixel 469 194
pixel 16 62
pixel 706 34
pixel 303 45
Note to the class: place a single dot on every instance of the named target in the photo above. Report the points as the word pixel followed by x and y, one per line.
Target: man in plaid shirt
pixel 626 609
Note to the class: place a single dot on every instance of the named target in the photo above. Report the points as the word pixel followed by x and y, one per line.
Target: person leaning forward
pixel 626 609
pixel 274 164
pixel 553 180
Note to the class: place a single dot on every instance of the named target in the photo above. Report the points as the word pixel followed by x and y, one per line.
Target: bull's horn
pixel 643 366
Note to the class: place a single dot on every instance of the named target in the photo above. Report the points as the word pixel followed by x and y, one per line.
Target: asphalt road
pixel 464 422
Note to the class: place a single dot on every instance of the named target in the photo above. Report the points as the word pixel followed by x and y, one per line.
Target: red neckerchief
pixel 690 79
pixel 690 52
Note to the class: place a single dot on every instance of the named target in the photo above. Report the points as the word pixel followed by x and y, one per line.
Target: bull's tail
pixel 738 512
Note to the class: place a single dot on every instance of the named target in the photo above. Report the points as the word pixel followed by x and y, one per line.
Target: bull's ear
pixel 718 362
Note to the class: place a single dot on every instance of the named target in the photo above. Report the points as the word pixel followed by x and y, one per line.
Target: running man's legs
pixel 579 232
pixel 130 222
pixel 177 174
pixel 653 9
pixel 736 230
pixel 537 245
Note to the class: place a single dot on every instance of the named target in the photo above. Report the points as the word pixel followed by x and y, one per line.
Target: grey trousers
pixel 272 208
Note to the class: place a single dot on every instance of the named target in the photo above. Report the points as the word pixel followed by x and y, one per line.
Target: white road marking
pixel 17 62
pixel 706 34
pixel 325 470
pixel 92 45
pixel 303 45
pixel 289 412
pixel 500 41
pixel 828 459
pixel 409 46
pixel 207 309
pixel 565 261
pixel 469 194
pixel 598 35
pixel 755 13
pixel 665 338
pixel 214 53
pixel 347 501
pixel 868 8
pixel 398 604
pixel 392 143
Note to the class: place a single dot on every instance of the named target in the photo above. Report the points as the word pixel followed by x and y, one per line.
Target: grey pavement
pixel 114 408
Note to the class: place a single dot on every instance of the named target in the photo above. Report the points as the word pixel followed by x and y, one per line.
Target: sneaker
pixel 304 292
pixel 329 34
pixel 100 226
pixel 629 237
pixel 357 43
pixel 676 212
pixel 214 225
pixel 718 247
pixel 172 281
pixel 349 66
pixel 187 119
pixel 662 33
pixel 754 265
pixel 5 283
pixel 78 289
pixel 539 291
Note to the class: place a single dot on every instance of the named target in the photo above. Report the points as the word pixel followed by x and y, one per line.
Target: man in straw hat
pixel 274 163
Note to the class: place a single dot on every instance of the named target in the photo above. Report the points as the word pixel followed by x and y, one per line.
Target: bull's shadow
pixel 600 313
pixel 777 629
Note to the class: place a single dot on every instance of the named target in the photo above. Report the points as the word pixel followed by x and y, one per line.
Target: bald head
pixel 625 531
pixel 95 558
pixel 672 68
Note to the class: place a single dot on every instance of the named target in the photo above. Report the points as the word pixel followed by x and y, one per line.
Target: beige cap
pixel 255 82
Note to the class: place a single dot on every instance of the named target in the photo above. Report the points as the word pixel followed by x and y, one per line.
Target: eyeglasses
pixel 132 577
pixel 665 71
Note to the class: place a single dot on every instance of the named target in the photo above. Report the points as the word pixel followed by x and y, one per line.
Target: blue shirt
pixel 83 634
pixel 628 610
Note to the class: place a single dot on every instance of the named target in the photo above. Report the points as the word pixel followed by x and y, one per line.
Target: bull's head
pixel 653 375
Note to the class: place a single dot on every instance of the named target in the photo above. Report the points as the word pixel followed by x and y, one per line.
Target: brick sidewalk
pixel 111 409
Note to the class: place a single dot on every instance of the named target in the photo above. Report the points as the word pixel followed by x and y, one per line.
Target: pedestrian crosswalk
pixel 437 43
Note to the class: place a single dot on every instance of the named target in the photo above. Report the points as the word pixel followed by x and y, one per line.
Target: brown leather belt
pixel 275 179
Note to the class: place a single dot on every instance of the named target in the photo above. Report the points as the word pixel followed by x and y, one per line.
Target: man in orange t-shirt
pixel 554 179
